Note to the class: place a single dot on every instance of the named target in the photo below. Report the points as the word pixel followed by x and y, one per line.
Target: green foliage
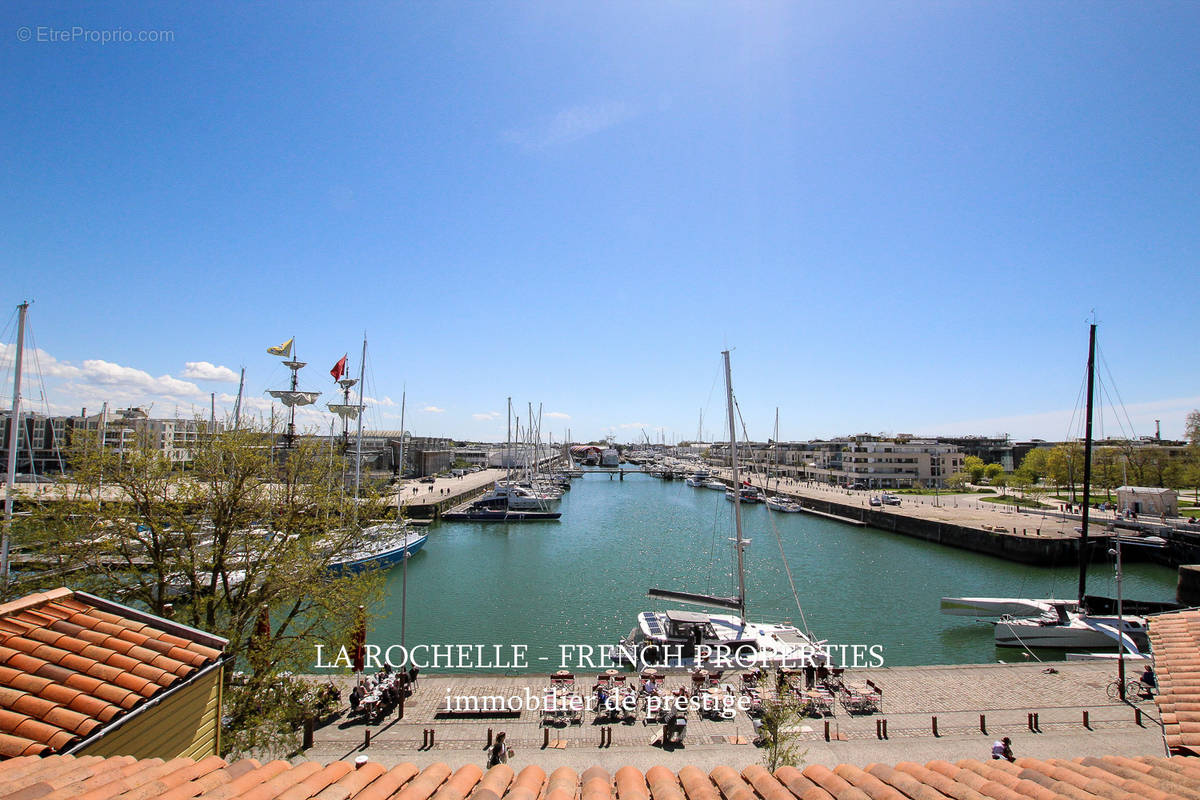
pixel 780 738
pixel 958 481
pixel 237 546
pixel 1035 464
pixel 974 466
pixel 991 471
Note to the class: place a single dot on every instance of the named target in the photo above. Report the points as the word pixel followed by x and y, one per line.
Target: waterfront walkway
pixel 1005 695
pixel 967 510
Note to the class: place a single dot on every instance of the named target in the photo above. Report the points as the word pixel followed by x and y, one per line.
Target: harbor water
pixel 582 580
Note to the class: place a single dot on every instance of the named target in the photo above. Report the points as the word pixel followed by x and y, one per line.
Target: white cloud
pixel 570 124
pixel 487 415
pixel 373 401
pixel 107 373
pixel 557 415
pixel 40 360
pixel 433 409
pixel 204 371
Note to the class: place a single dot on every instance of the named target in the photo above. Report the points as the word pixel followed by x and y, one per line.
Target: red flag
pixel 339 369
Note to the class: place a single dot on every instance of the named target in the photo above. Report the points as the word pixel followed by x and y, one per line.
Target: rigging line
pixel 1075 411
pixel 1120 401
pixel 788 570
pixel 1127 435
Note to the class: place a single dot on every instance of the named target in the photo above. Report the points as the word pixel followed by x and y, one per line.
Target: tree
pixel 973 466
pixel 991 471
pixel 1064 466
pixel 778 732
pixel 1192 428
pixel 958 481
pixel 1035 464
pixel 238 546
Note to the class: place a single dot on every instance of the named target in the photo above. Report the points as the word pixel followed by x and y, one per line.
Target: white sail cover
pixel 344 411
pixel 290 399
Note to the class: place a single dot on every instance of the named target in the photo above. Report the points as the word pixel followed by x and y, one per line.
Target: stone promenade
pixel 1005 695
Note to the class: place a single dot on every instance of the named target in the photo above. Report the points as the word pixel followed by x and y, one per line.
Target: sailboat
pixel 1059 623
pixel 388 543
pixel 291 397
pixel 778 502
pixel 682 638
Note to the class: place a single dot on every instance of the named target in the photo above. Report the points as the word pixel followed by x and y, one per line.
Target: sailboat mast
pixel 1087 463
pixel 237 407
pixel 362 370
pixel 400 474
pixel 776 449
pixel 737 489
pixel 14 427
pixel 508 447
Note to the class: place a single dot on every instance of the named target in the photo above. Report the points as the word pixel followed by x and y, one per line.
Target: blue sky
pixel 901 216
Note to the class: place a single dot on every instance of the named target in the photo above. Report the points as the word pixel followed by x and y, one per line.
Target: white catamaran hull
pixel 997 606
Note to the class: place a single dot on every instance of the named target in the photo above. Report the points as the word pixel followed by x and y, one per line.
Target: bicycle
pixel 1134 689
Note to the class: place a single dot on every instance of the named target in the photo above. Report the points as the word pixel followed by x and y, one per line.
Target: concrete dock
pixel 1004 695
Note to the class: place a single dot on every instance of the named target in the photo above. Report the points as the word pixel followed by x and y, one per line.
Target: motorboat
pixel 698 478
pixel 749 494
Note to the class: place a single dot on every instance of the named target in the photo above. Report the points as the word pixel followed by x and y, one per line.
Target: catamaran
pixel 1055 623
pixel 676 638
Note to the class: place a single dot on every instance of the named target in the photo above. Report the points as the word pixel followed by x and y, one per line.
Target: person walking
pixel 499 752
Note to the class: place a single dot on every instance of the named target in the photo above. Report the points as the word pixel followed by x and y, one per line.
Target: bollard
pixel 935 733
pixel 1029 721
pixel 983 724
pixel 878 729
pixel 885 729
pixel 1086 722
pixel 827 730
pixel 545 738
pixel 1137 716
pixel 431 738
pixel 366 738
pixel 1037 722
pixel 308 733
pixel 489 739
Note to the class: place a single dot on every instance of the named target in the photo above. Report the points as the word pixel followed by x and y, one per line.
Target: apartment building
pixel 873 461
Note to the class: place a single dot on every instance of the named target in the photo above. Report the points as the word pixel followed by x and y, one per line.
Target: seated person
pixel 1148 677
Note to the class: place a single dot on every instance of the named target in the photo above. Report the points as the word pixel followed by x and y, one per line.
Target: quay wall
pixel 1024 549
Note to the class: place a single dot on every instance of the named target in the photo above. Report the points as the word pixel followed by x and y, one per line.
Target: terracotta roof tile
pixel 71 666
pixel 1175 641
pixel 564 781
pixel 528 785
pixel 419 786
pixel 1111 778
pixel 352 783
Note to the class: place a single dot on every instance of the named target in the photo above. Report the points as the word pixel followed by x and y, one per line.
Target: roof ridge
pixel 32 601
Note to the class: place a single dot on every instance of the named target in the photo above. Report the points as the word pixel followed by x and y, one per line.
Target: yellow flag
pixel 284 349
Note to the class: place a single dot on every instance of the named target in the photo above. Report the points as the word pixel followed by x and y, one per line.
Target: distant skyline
pixel 901 218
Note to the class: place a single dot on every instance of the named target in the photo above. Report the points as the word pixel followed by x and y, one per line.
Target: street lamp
pixel 1149 541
